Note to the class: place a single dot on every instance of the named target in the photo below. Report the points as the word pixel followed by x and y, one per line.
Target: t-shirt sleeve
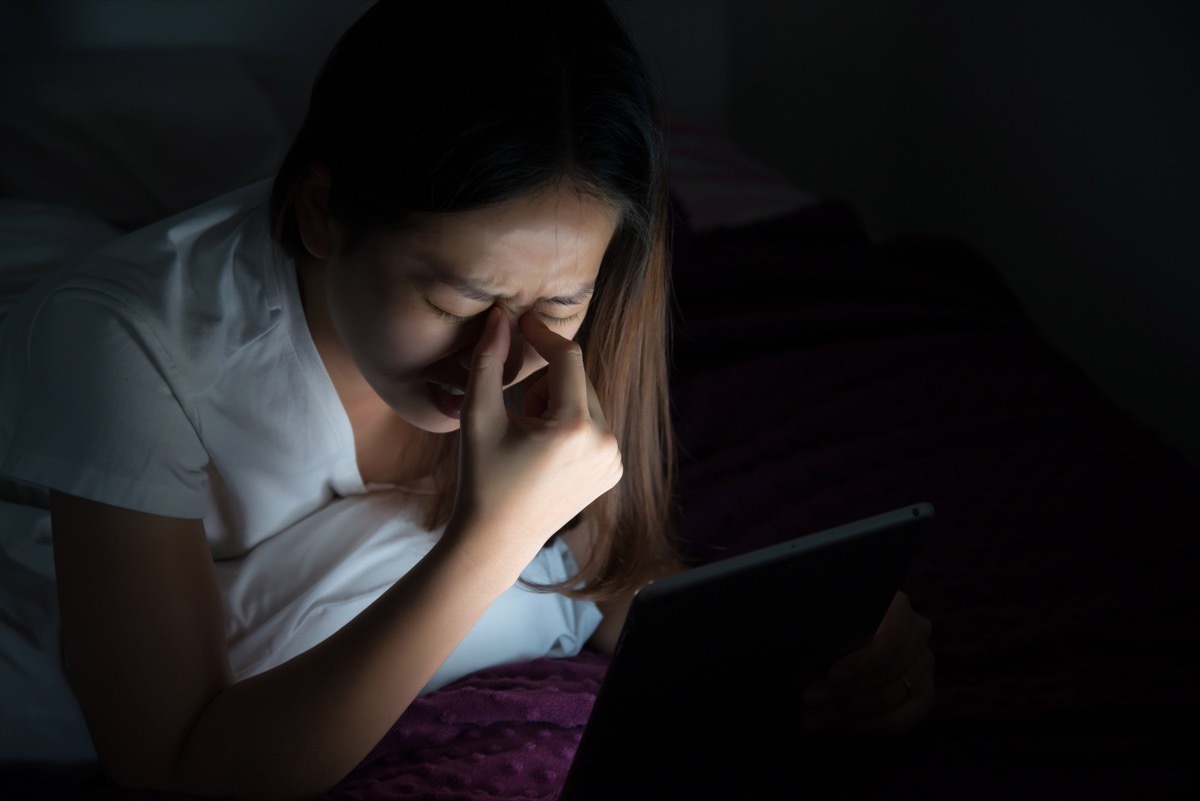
pixel 105 411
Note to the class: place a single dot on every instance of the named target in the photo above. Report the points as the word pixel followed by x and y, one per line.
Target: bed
pixel 819 376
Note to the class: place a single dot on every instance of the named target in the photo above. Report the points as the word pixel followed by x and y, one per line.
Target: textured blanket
pixel 821 377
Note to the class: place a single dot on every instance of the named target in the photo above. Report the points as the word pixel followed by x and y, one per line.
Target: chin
pixel 424 417
pixel 420 409
pixel 427 417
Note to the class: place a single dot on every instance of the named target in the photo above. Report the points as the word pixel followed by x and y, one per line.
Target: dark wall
pixel 1057 136
pixel 283 42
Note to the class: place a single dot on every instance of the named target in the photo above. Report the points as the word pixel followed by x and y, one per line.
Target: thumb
pixel 483 407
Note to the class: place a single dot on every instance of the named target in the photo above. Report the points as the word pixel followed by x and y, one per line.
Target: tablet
pixel 703 690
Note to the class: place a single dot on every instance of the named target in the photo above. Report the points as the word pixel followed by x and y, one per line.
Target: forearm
pixel 299 728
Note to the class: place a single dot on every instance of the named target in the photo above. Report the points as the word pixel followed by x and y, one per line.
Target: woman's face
pixel 408 306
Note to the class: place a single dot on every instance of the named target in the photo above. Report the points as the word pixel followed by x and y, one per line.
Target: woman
pixel 456 287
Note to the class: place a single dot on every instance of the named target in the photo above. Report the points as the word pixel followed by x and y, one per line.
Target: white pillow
pixel 131 137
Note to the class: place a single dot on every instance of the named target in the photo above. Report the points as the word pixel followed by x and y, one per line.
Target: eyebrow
pixel 474 291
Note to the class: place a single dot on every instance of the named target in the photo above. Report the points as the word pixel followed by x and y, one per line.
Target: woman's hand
pixel 885 687
pixel 524 477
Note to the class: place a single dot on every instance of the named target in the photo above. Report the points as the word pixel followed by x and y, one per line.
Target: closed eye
pixel 549 319
pixel 454 318
pixel 552 320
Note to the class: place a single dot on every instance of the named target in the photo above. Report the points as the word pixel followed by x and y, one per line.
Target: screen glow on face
pixel 409 306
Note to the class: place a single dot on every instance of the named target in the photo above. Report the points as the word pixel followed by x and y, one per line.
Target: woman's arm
pixel 144 632
pixel 144 636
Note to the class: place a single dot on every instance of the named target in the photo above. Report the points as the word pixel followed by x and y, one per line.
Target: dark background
pixel 1059 137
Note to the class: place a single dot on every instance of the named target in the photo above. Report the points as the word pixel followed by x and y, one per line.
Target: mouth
pixel 447 398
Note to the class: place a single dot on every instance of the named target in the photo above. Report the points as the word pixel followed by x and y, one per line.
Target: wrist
pixel 497 548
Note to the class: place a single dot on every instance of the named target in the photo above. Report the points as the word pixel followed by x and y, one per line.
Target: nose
pixel 516 352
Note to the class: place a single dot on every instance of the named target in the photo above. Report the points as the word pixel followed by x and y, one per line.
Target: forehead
pixel 546 244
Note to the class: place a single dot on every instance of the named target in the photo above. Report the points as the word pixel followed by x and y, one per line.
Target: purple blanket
pixel 819 378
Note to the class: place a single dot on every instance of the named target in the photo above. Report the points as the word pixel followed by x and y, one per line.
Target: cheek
pixel 416 343
pixel 392 340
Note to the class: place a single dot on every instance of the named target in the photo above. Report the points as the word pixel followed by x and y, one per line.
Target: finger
pixel 916 708
pixel 890 639
pixel 851 704
pixel 537 398
pixel 901 637
pixel 892 690
pixel 907 663
pixel 567 384
pixel 484 404
pixel 890 709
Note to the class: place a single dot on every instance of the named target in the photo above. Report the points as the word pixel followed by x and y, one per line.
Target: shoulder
pixel 109 363
pixel 198 281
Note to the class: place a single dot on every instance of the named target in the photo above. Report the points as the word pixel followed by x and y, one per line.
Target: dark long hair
pixel 439 107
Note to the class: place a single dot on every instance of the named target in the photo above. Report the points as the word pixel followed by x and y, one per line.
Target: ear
pixel 318 230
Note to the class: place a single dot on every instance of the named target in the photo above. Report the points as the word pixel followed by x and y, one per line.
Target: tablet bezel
pixel 656 716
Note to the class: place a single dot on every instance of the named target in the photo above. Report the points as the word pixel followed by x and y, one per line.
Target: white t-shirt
pixel 172 372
